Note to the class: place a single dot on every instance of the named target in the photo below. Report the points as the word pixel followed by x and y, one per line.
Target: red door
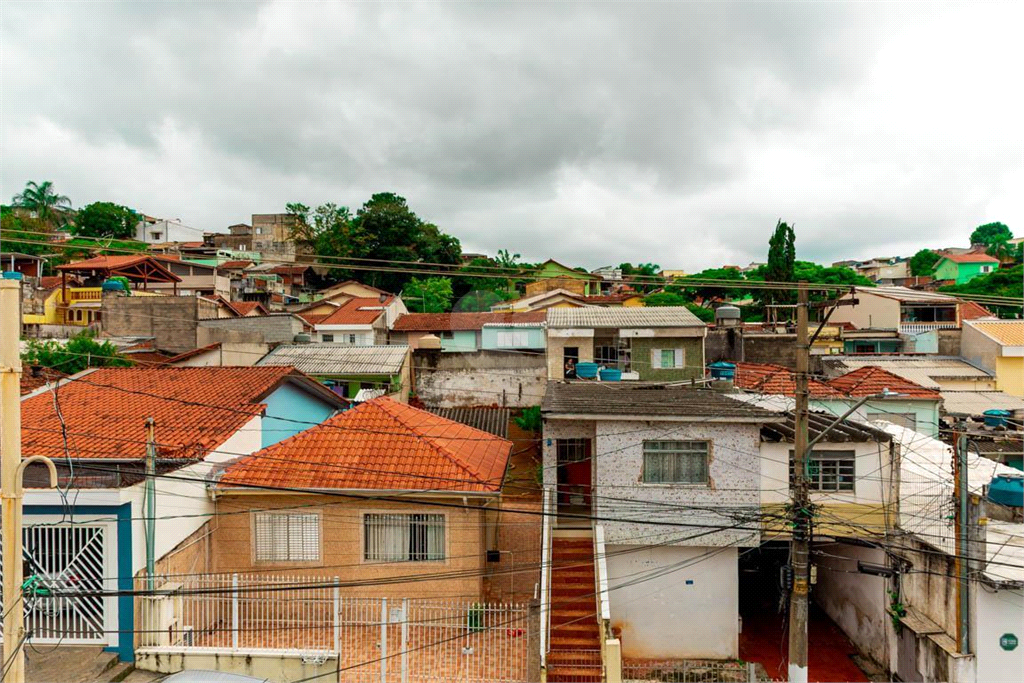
pixel 575 473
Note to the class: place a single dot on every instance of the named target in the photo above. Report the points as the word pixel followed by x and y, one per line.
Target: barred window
pixel 403 537
pixel 675 462
pixel 287 536
pixel 829 470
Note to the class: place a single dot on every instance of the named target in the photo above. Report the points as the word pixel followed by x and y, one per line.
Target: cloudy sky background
pixel 591 133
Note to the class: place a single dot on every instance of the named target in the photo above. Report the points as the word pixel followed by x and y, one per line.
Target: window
pixel 287 536
pixel 606 355
pixel 829 470
pixel 571 450
pixel 327 337
pixel 668 359
pixel 511 339
pixel 403 537
pixel 986 269
pixel 675 462
pixel 351 339
pixel 908 420
pixel 861 347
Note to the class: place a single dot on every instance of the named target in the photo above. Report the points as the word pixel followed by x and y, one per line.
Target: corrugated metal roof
pixel 977 402
pixel 638 316
pixel 918 369
pixel 908 295
pixel 1006 332
pixel 485 418
pixel 339 359
pixel 637 399
pixel 817 422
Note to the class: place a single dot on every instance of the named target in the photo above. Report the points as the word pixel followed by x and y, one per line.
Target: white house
pixel 161 230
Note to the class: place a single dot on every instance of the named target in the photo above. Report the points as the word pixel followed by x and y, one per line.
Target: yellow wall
pixel 633 301
pixel 1010 375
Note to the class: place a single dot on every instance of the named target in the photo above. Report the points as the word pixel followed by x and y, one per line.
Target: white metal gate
pixel 64 578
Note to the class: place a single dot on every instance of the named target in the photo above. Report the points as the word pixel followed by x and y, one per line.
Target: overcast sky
pixel 675 133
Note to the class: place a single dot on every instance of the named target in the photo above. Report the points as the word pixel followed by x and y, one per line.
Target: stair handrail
pixel 545 575
pixel 611 652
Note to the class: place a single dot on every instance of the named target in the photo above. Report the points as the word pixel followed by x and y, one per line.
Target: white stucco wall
pixel 688 608
pixel 872 469
pixel 999 613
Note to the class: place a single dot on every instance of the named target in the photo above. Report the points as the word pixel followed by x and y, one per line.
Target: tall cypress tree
pixel 781 262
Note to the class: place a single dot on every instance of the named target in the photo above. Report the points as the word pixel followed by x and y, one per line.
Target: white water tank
pixel 727 316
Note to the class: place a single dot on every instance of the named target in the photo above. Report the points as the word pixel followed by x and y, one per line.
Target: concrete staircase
pixel 575 650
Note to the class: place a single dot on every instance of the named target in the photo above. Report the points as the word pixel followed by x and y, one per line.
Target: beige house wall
pixel 871 311
pixel 341 545
pixel 1010 375
pixel 556 349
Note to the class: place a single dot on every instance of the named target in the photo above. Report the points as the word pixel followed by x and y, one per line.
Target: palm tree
pixel 42 201
pixel 1001 249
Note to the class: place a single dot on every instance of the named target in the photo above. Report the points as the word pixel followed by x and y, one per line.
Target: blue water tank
pixel 1007 490
pixel 13 275
pixel 996 418
pixel 112 286
pixel 722 370
pixel 610 374
pixel 586 370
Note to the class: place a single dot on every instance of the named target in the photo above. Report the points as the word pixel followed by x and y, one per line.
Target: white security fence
pixel 370 638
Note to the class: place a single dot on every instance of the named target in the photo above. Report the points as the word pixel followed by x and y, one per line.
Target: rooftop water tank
pixel 586 370
pixel 996 418
pixel 302 338
pixel 722 370
pixel 727 316
pixel 1007 489
pixel 12 275
pixel 610 374
pixel 112 286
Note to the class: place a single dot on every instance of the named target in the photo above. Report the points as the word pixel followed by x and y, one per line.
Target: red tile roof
pixel 196 410
pixel 31 381
pixel 380 445
pixel 244 308
pixel 870 380
pixel 235 265
pixel 970 257
pixel 970 310
pixel 429 322
pixel 290 270
pixel 767 378
pixel 104 262
pixel 356 312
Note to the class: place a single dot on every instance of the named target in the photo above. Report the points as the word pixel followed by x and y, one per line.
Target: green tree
pixel 643 277
pixel 1008 282
pixel 665 299
pixel 1002 250
pixel 80 352
pixel 18 232
pixel 692 288
pixel 989 233
pixel 781 263
pixel 43 202
pixel 922 263
pixel 829 275
pixel 105 219
pixel 429 295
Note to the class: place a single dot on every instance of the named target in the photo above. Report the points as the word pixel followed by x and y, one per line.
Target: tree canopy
pixel 17 232
pixel 991 232
pixel 781 262
pixel 643 277
pixel 42 201
pixel 1007 282
pixel 385 232
pixel 922 263
pixel 105 219
pixel 80 352
pixel 428 295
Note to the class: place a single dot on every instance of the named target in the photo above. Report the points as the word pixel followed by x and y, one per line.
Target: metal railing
pixel 920 328
pixel 382 638
pixel 545 574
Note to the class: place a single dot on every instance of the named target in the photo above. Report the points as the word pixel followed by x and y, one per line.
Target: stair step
pixel 573 644
pixel 576 628
pixel 574 658
pixel 576 674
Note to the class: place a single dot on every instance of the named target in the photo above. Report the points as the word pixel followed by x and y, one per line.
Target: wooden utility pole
pixel 800 502
pixel 150 502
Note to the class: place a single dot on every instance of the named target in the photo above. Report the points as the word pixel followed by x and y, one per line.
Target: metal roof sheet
pixel 643 400
pixel 908 295
pixel 629 316
pixel 485 418
pixel 977 402
pixel 339 359
pixel 918 369
pixel 1006 332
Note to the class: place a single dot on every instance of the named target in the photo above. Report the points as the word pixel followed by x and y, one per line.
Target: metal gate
pixel 64 578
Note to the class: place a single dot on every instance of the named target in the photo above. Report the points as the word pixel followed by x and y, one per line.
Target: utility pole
pixel 150 503
pixel 11 468
pixel 962 494
pixel 800 502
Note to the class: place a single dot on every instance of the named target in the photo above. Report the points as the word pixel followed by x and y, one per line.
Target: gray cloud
pixel 595 133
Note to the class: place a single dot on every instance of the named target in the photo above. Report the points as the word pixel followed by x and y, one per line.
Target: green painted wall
pixel 536 337
pixel 461 342
pixel 878 345
pixel 693 357
pixel 925 412
pixel 961 272
pixel 549 270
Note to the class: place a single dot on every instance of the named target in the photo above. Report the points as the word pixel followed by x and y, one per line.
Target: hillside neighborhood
pixel 270 459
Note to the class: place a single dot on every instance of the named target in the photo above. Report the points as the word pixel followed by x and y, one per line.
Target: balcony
pixel 79 295
pixel 921 328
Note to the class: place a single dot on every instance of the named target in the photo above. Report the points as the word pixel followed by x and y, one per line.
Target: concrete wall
pixel 170 320
pixel 342 545
pixel 559 340
pixel 691 611
pixel 732 344
pixel 228 353
pixel 516 380
pixel 1010 375
pixel 856 602
pixel 979 349
pixel 269 665
pixel 999 612
pixel 262 329
pixel 876 312
pixel 618 468
pixel 873 471
pixel 291 410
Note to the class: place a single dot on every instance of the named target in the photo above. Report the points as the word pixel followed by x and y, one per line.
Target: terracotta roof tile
pixel 102 262
pixel 870 380
pixel 196 410
pixel 429 322
pixel 244 308
pixel 971 257
pixel 971 310
pixel 363 311
pixel 235 265
pixel 767 378
pixel 379 445
pixel 31 381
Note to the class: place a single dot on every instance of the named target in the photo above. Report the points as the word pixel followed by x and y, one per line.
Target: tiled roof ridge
pixel 394 409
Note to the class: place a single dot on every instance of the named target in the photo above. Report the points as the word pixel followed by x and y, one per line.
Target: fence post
pixel 405 640
pixel 336 617
pixel 383 640
pixel 234 611
pixel 751 672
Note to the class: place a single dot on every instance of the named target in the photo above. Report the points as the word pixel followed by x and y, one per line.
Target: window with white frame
pixel 286 536
pixel 676 462
pixel 908 420
pixel 512 339
pixel 328 337
pixel 829 470
pixel 668 359
pixel 393 537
